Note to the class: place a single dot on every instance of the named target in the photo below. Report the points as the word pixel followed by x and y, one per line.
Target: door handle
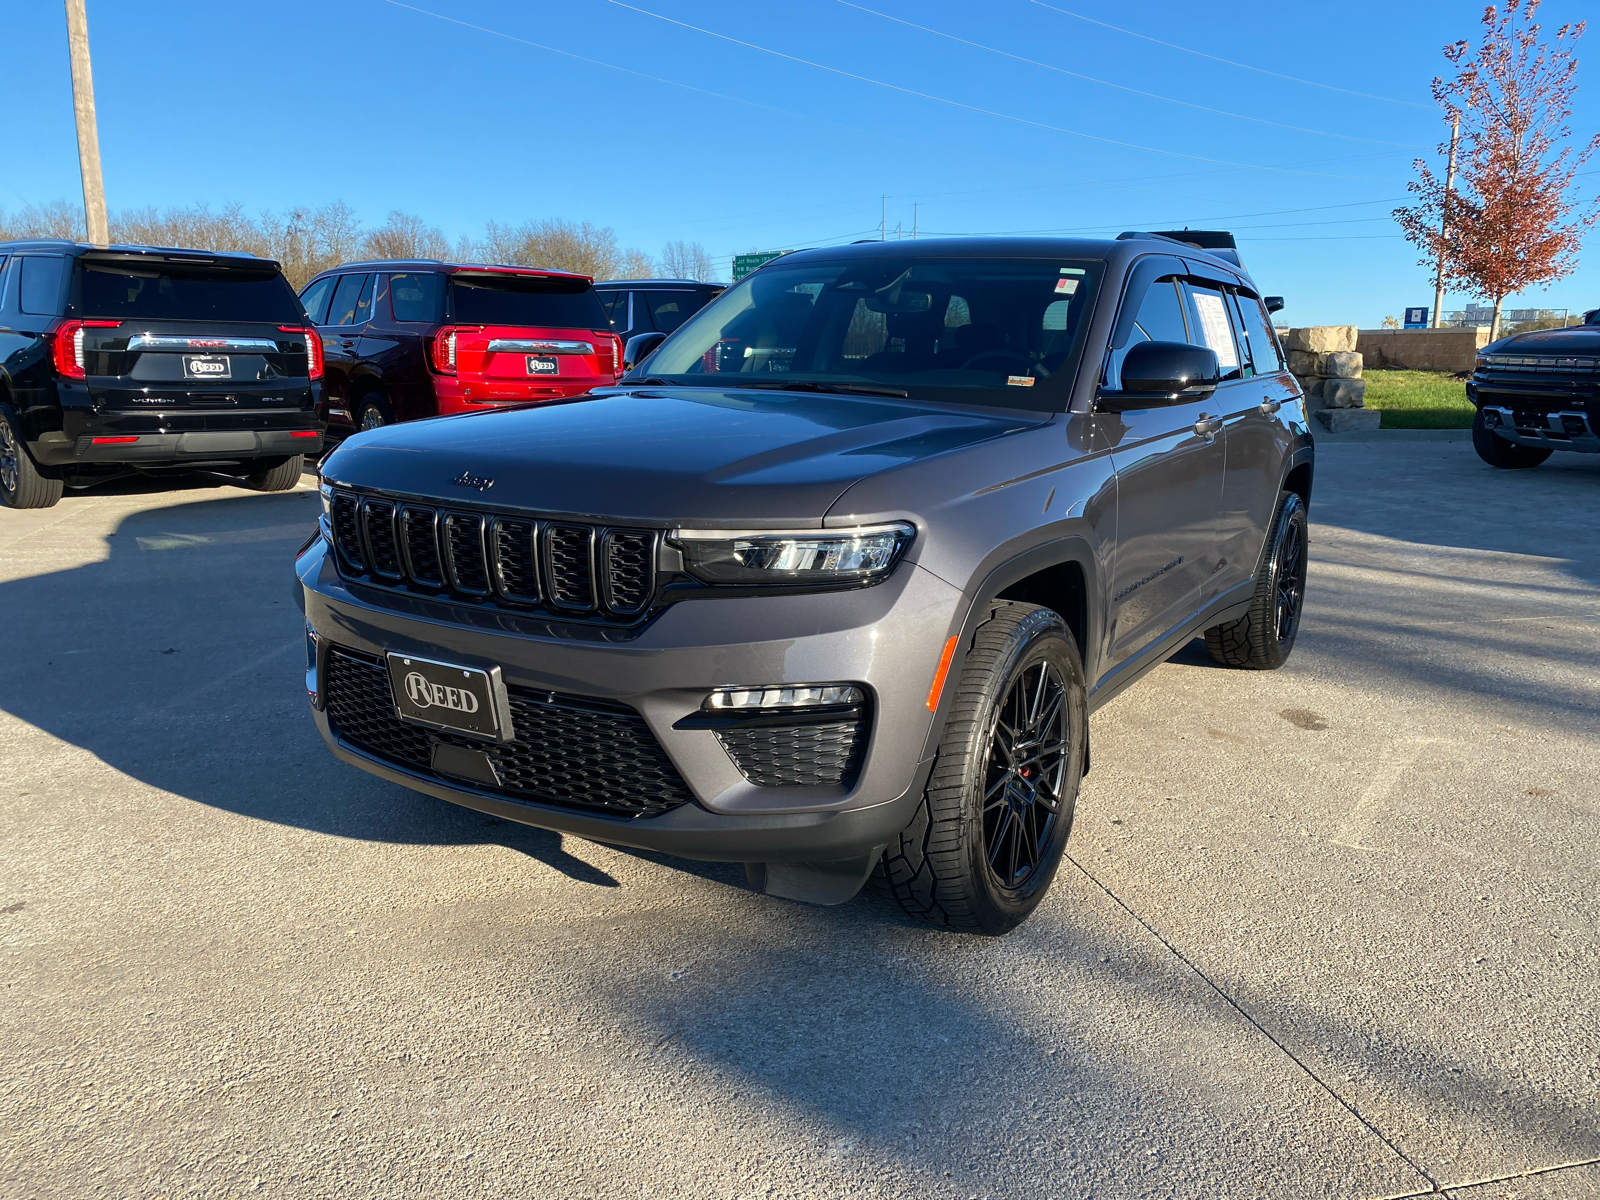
pixel 1268 407
pixel 1207 426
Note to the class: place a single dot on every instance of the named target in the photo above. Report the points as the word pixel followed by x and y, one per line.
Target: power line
pixel 988 112
pixel 1120 87
pixel 1228 61
pixel 689 87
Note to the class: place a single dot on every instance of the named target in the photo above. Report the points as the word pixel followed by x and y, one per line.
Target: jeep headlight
pixel 776 558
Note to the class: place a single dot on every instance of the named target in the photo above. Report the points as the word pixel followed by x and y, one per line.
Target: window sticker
pixel 1073 271
pixel 1019 380
pixel 1214 328
pixel 1067 287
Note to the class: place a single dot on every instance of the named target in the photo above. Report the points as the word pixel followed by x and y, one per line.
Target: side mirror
pixel 1160 373
pixel 640 346
pixel 1273 303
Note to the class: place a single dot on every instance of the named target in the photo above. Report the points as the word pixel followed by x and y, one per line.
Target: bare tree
pixel 687 260
pixel 58 219
pixel 636 264
pixel 405 236
pixel 1511 222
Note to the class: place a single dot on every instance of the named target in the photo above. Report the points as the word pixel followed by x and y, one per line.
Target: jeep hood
pixel 666 455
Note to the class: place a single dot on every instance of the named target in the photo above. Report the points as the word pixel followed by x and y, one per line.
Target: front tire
pixel 1498 452
pixel 1263 638
pixel 22 484
pixel 281 477
pixel 373 413
pixel 994 820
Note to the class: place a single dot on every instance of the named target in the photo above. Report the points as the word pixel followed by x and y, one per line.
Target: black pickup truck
pixel 1536 393
pixel 116 359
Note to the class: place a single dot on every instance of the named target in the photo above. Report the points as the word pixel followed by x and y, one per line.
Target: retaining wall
pixel 1421 349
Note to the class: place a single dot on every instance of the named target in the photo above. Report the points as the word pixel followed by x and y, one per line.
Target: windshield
pixel 550 302
pixel 175 292
pixel 1002 332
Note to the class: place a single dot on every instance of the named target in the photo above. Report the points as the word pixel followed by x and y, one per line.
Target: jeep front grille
pixel 570 751
pixel 567 568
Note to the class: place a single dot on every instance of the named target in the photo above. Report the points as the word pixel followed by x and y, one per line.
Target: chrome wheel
pixel 371 418
pixel 10 469
pixel 1027 770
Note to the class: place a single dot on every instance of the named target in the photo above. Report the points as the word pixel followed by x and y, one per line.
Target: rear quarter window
pixel 315 299
pixel 416 296
pixel 172 292
pixel 540 301
pixel 41 285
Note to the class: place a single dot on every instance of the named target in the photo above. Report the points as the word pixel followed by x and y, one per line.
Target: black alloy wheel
pixel 1027 771
pixel 1262 639
pixel 984 844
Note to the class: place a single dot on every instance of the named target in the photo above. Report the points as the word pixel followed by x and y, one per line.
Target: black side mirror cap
pixel 1273 303
pixel 640 346
pixel 1155 374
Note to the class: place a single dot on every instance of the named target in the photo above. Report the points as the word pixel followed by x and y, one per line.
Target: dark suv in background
pixel 638 306
pixel 122 358
pixel 422 338
pixel 1537 392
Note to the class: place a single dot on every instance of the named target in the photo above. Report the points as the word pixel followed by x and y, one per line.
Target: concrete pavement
pixel 1326 932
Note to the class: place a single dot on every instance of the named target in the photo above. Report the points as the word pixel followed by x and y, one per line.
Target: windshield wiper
pixel 813 385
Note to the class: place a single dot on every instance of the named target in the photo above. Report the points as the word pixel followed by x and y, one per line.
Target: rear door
pixel 522 336
pixel 349 307
pixel 1169 461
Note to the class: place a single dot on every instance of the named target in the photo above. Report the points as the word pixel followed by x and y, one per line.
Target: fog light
pixel 1490 418
pixel 752 699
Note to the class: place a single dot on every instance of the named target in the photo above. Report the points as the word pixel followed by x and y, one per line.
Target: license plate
pixel 207 366
pixel 446 696
pixel 543 364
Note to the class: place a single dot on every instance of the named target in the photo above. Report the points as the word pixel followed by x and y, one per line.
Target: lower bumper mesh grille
pixel 569 751
pixel 797 755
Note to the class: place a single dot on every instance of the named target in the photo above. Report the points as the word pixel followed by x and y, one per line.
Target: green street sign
pixel 743 264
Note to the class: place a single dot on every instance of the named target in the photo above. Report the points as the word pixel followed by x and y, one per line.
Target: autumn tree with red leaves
pixel 1511 221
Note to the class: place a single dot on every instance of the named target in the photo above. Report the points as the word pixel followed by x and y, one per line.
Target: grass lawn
pixel 1419 399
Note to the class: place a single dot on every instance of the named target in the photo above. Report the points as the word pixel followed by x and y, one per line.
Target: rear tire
pixel 22 484
pixel 1263 638
pixel 281 477
pixel 373 413
pixel 1498 452
pixel 993 825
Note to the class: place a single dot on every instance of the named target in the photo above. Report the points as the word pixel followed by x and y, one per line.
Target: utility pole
pixel 1444 224
pixel 94 191
pixel 913 222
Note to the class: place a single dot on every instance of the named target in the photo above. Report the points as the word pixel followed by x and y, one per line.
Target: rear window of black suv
pixel 546 302
pixel 163 291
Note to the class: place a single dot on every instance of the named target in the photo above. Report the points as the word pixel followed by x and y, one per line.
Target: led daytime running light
pixel 784 696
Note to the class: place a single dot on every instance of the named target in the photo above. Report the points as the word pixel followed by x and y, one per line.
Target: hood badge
pixel 468 480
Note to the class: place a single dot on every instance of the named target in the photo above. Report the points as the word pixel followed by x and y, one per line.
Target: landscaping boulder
pixel 1350 420
pixel 1321 339
pixel 1344 393
pixel 1305 362
pixel 1341 364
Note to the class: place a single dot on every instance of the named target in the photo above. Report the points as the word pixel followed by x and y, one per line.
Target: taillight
pixel 313 348
pixel 67 350
pixel 616 355
pixel 444 351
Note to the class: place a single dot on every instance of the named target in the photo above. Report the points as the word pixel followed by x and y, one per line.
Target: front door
pixel 1170 466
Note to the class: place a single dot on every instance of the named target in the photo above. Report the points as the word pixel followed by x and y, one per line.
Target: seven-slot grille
pixel 570 751
pixel 564 567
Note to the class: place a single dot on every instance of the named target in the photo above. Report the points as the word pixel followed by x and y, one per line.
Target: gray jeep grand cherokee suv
pixel 831 582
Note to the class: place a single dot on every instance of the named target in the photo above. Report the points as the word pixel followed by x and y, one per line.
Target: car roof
pixel 68 246
pixel 677 283
pixel 435 264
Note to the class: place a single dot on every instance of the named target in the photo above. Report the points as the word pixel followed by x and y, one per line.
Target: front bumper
pixel 886 639
pixel 1569 429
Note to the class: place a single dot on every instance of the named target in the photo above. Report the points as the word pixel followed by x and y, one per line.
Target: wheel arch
pixel 1298 478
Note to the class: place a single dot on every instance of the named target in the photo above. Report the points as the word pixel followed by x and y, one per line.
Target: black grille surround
pixel 569 751
pixel 825 754
pixel 570 570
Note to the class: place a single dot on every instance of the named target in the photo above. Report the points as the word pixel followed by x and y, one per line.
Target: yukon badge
pixel 468 479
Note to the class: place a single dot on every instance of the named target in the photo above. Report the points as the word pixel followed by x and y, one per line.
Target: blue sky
pixel 703 139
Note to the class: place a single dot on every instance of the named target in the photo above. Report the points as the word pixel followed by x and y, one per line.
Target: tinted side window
pixel 417 296
pixel 315 299
pixel 364 302
pixel 5 283
pixel 1265 353
pixel 1214 330
pixel 1160 319
pixel 668 310
pixel 41 285
pixel 343 309
pixel 616 306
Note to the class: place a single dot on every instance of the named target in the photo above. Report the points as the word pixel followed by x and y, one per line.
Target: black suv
pixel 135 358
pixel 1536 393
pixel 831 583
pixel 638 306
